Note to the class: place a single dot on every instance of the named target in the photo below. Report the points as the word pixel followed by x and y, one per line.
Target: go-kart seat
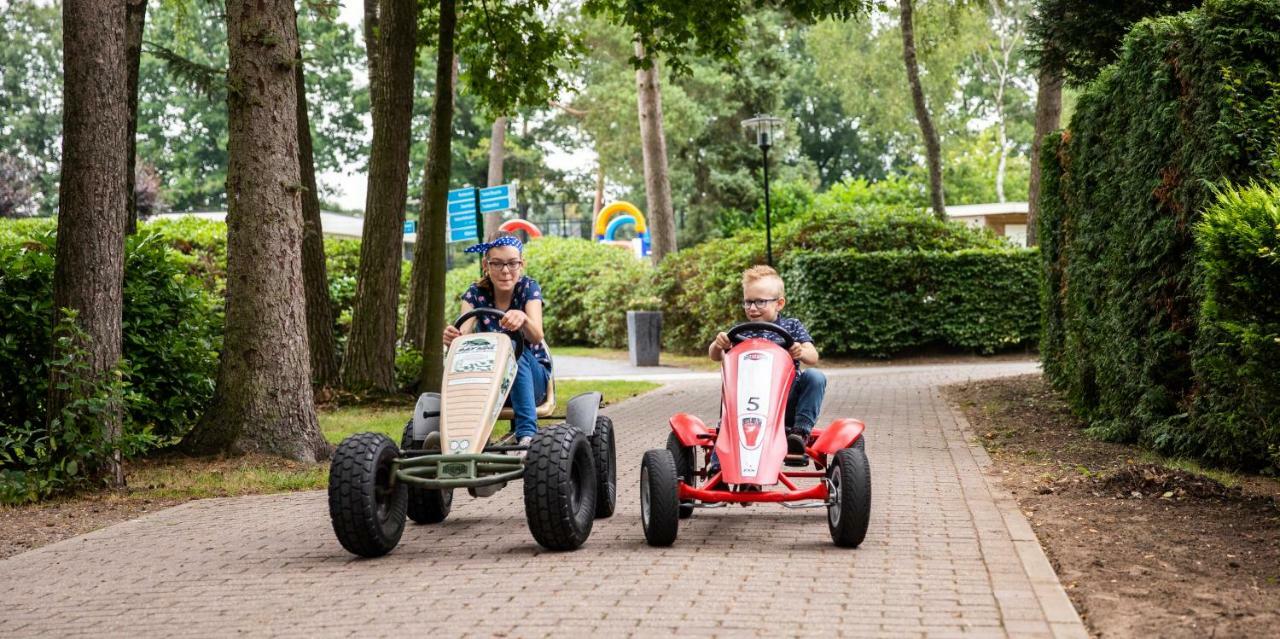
pixel 548 406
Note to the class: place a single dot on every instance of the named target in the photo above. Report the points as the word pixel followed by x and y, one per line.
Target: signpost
pixel 466 208
pixel 410 226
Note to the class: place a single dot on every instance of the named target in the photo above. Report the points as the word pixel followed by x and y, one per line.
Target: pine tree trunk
pixel 497 153
pixel 932 147
pixel 88 275
pixel 135 21
pixel 1048 114
pixel 425 321
pixel 315 275
pixel 371 347
pixel 653 143
pixel 598 202
pixel 263 401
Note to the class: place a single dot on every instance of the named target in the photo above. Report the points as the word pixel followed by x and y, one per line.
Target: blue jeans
pixel 527 392
pixel 805 401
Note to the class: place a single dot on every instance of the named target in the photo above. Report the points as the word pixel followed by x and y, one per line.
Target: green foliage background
pixel 1193 102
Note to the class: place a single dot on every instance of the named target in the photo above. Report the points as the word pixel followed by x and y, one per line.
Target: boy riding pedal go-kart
pixel 567 469
pixel 741 459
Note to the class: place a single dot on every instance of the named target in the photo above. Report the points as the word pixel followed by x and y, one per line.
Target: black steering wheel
pixel 735 333
pixel 518 340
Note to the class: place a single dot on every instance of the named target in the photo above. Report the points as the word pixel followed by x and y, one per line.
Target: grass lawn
pixel 181 478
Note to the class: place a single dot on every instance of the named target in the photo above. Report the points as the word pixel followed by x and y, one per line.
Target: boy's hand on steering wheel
pixel 512 320
pixel 450 333
pixel 722 342
pixel 796 350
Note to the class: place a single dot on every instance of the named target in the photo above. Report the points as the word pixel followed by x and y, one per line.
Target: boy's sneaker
pixel 795 450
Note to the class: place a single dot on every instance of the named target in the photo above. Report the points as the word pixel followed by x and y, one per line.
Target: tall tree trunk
pixel 653 143
pixel 371 347
pixel 88 275
pixel 315 275
pixel 135 21
pixel 1048 114
pixel 599 199
pixel 263 401
pixel 425 319
pixel 497 153
pixel 1003 140
pixel 932 147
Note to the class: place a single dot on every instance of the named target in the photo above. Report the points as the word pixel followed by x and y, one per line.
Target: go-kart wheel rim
pixel 579 479
pixel 833 499
pixel 383 492
pixel 644 496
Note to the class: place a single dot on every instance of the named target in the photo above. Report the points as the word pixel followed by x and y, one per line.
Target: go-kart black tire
pixel 425 505
pixel 604 450
pixel 683 456
pixel 366 509
pixel 848 517
pixel 659 507
pixel 560 487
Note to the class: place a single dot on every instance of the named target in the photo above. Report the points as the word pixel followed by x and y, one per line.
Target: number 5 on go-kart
pixel 750 448
pixel 568 469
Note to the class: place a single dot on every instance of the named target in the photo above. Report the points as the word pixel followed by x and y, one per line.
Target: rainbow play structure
pixel 617 215
pixel 511 226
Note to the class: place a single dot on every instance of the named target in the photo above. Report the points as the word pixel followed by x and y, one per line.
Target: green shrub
pixel 1235 418
pixel 701 287
pixel 887 301
pixel 171 330
pixel 588 287
pixel 1193 102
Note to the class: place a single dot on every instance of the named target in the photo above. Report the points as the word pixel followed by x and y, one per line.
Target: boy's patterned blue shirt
pixel 526 290
pixel 789 324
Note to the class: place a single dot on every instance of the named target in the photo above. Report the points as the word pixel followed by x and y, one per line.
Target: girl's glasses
pixel 498 265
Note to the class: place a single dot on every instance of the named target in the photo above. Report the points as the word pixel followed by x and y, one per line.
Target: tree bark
pixel 598 203
pixel 497 153
pixel 653 143
pixel 135 22
pixel 315 275
pixel 425 321
pixel 932 147
pixel 88 275
pixel 371 347
pixel 1048 115
pixel 263 400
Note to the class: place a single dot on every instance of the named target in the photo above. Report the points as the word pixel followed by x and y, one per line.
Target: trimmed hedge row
pixel 701 287
pixel 1236 359
pixel 887 301
pixel 1191 103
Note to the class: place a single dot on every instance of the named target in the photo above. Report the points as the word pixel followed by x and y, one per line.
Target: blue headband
pixel 484 247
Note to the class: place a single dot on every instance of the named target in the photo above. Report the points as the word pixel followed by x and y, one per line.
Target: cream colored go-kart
pixel 568 469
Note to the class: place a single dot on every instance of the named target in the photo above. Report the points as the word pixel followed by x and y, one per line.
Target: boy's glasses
pixel 498 265
pixel 748 304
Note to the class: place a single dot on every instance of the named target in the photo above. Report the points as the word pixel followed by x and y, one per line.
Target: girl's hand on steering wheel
pixel 450 333
pixel 513 320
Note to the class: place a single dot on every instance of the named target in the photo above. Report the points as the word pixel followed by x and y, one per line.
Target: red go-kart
pixel 751 449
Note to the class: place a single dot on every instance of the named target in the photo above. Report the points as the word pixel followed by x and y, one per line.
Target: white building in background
pixel 347 227
pixel 1006 219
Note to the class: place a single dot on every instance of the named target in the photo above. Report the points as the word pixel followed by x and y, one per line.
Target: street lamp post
pixel 767 128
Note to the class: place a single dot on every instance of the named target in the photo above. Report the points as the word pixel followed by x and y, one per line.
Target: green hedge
pixel 588 287
pixel 888 301
pixel 1191 103
pixel 701 287
pixel 1235 417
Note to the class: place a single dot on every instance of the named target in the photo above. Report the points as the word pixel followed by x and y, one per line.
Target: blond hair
pixel 760 272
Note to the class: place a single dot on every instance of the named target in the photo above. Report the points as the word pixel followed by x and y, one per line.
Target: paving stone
pixel 940 559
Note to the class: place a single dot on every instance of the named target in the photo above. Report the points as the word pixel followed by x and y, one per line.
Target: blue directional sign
pixel 410 226
pixel 461 208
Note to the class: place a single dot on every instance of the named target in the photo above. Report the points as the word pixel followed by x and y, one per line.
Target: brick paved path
pixel 945 555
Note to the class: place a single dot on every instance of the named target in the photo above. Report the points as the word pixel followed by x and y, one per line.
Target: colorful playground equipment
pixel 511 226
pixel 617 215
